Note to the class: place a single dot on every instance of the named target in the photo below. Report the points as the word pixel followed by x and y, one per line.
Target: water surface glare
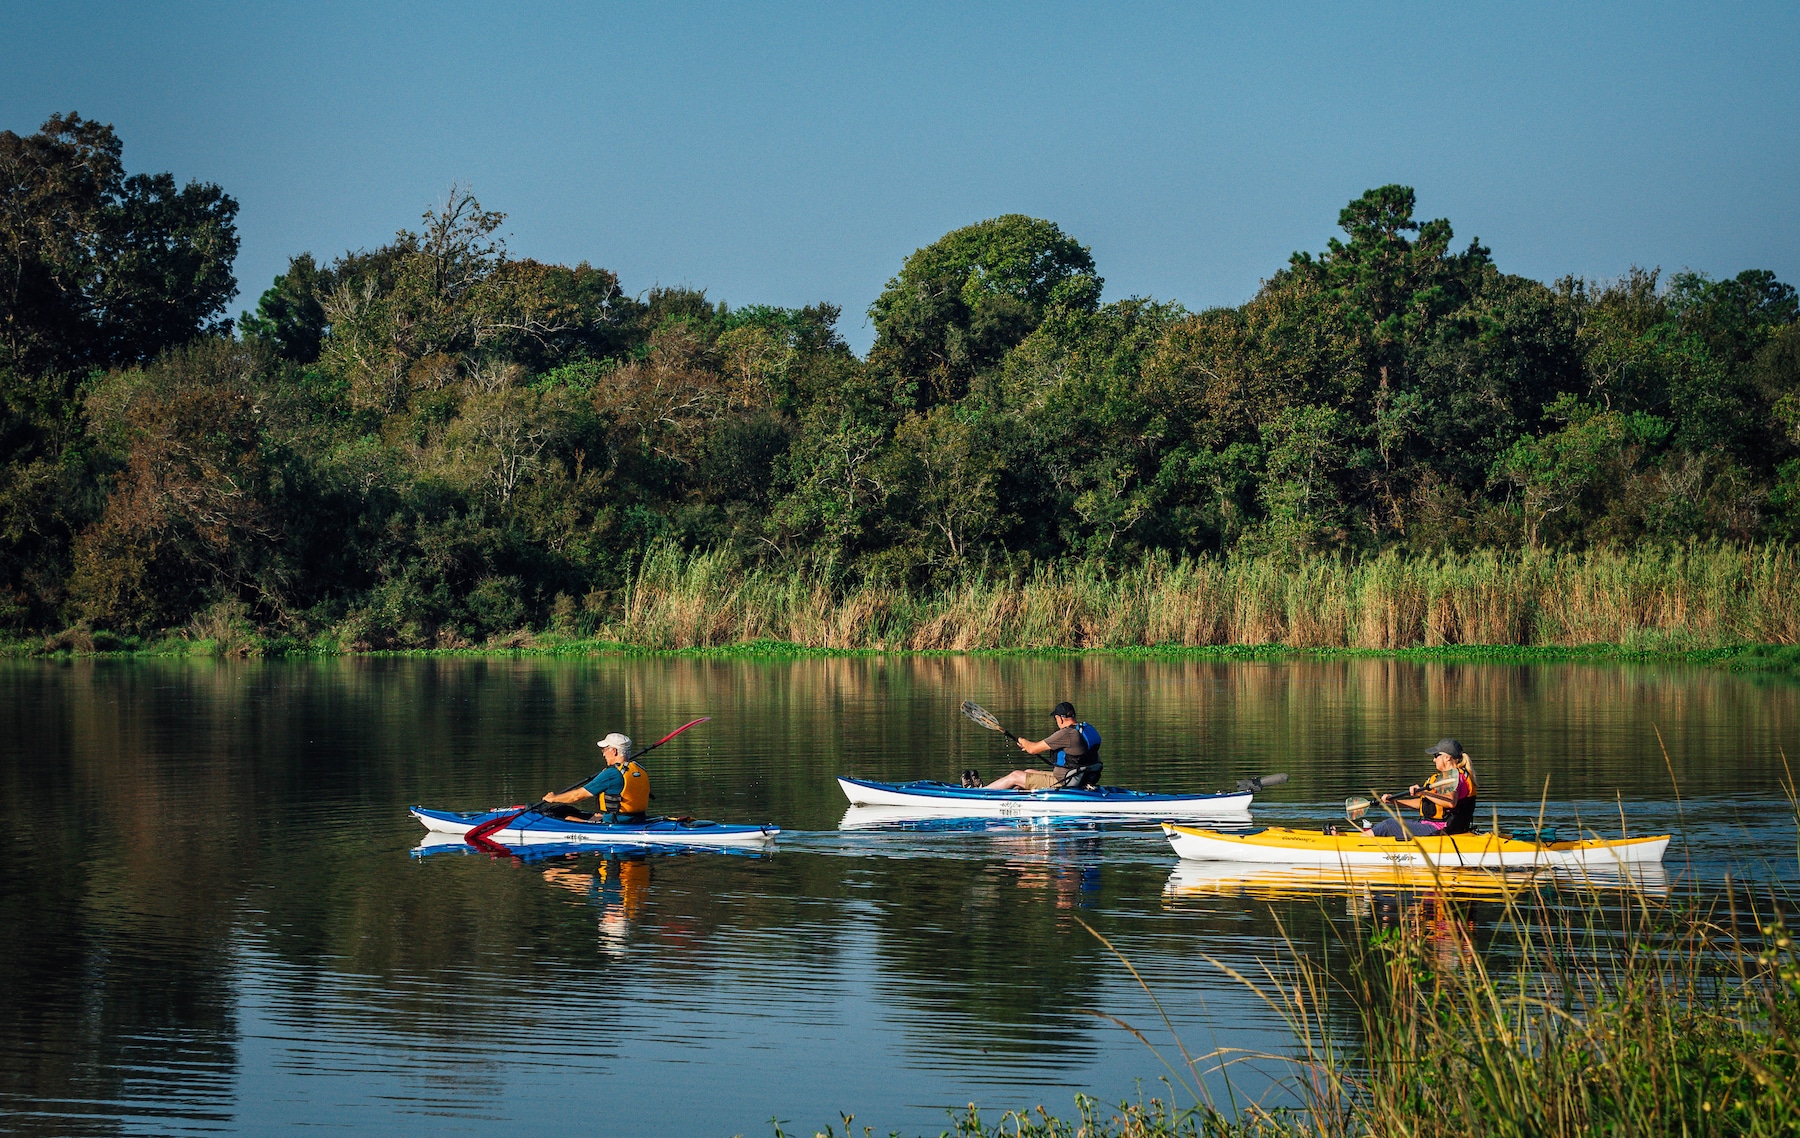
pixel 218 921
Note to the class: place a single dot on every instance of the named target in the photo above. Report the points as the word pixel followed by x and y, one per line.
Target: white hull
pixel 1040 804
pixel 702 836
pixel 1465 851
pixel 1273 882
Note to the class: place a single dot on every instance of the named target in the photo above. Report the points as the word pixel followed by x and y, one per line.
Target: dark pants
pixel 1393 828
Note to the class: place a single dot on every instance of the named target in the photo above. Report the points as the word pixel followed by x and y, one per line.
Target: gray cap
pixel 1447 747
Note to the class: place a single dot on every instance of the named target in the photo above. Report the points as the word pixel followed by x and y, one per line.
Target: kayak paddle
pixel 1256 785
pixel 985 718
pixel 1355 808
pixel 495 825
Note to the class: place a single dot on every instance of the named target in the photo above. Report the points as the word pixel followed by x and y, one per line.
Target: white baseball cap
pixel 618 742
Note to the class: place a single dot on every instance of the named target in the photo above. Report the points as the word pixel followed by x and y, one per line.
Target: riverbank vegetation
pixel 439 444
pixel 1664 1019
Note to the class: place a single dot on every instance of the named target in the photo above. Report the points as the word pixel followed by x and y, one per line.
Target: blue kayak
pixel 946 798
pixel 534 828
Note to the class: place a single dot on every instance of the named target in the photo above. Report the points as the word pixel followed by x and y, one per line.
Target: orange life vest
pixel 1456 785
pixel 635 798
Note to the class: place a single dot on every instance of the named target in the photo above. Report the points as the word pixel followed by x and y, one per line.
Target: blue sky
pixel 787 154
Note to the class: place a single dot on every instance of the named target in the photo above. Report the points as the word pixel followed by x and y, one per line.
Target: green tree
pixel 191 518
pixel 941 474
pixel 1565 476
pixel 290 315
pixel 961 303
pixel 97 268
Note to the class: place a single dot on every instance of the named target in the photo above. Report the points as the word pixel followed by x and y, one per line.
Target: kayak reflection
pixel 1065 865
pixel 436 844
pixel 906 818
pixel 1271 883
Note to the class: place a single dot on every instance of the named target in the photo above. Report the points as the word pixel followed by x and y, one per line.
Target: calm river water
pixel 216 921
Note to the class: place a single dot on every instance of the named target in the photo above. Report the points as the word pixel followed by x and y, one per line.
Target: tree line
pixel 436 441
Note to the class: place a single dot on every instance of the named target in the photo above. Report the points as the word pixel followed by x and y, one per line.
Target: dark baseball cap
pixel 1064 709
pixel 1447 747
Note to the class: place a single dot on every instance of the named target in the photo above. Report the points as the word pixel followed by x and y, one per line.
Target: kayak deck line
pixel 1281 846
pixel 1101 801
pixel 536 828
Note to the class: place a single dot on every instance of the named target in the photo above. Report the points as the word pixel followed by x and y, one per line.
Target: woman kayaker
pixel 1076 747
pixel 621 789
pixel 1446 802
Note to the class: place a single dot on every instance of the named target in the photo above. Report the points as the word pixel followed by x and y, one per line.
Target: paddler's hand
pixel 1023 745
pixel 1386 798
pixel 1413 790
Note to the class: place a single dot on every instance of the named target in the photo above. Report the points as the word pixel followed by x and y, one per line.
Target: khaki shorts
pixel 1041 780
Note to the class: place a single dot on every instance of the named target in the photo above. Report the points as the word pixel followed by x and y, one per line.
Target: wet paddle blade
pixel 493 826
pixel 486 845
pixel 981 715
pixel 1256 785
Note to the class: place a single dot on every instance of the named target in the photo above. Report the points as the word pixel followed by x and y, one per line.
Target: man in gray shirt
pixel 1067 743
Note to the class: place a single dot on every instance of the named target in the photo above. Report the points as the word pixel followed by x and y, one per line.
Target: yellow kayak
pixel 1279 846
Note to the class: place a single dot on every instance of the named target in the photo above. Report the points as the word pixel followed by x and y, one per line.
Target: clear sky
pixel 787 154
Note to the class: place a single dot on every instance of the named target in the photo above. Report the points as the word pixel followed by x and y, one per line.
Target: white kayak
pixel 1279 846
pixel 941 798
pixel 534 828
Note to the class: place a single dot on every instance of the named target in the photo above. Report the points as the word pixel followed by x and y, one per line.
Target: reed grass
pixel 1663 1019
pixel 1672 1022
pixel 1676 598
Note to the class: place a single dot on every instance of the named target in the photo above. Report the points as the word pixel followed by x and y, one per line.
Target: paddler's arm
pixel 569 797
pixel 1417 799
pixel 1031 748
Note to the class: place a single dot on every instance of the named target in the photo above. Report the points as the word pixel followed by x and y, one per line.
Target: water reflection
pixel 223 928
pixel 903 818
pixel 1206 879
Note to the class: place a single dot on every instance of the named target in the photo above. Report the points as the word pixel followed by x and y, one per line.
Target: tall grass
pixel 1689 597
pixel 1672 1022
pixel 1665 1021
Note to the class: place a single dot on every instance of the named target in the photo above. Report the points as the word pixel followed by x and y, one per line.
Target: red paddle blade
pixel 486 846
pixel 492 826
pixel 677 731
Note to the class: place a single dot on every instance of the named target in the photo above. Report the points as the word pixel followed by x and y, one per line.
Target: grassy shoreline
pixel 1721 604
pixel 1771 658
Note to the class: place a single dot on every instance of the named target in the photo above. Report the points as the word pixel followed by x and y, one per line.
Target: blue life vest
pixel 1091 737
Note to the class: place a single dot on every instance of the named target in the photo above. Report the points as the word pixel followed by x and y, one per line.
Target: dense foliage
pixel 435 441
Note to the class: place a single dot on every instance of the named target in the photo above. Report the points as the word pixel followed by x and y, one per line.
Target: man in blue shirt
pixel 621 790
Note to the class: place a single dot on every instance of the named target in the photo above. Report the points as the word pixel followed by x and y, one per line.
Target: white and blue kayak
pixel 942 798
pixel 534 828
